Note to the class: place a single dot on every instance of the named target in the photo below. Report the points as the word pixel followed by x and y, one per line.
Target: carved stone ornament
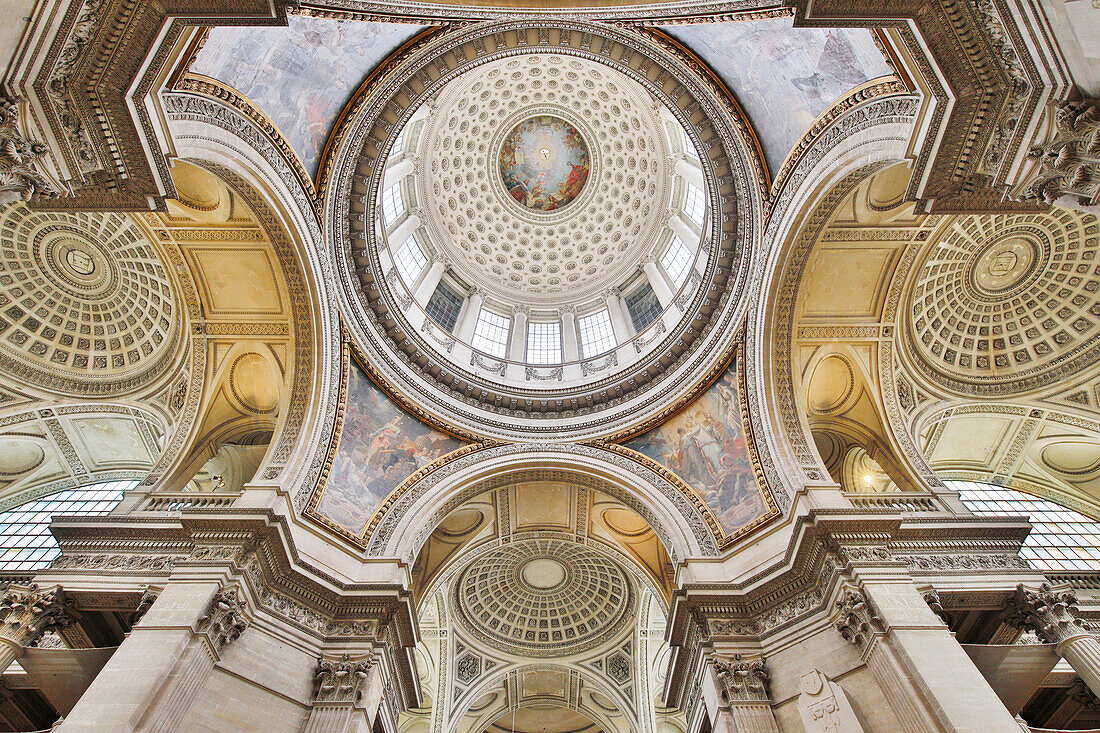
pixel 28 612
pixel 340 680
pixel 824 706
pixel 932 598
pixel 19 178
pixel 1051 614
pixel 225 620
pixel 1069 165
pixel 856 621
pixel 743 681
pixel 148 597
pixel 1080 693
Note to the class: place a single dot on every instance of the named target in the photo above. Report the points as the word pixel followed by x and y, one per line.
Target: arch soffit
pixel 408 517
pixel 499 676
pixel 859 142
pixel 226 141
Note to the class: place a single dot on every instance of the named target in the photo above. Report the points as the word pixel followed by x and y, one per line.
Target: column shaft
pixel 1082 652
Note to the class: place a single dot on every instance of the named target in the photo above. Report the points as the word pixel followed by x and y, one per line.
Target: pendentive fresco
pixel 706 446
pixel 380 446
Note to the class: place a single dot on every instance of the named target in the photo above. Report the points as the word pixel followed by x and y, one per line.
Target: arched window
pixel 1061 539
pixel 25 539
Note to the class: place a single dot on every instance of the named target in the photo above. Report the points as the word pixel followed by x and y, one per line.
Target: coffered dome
pixel 531 231
pixel 86 305
pixel 538 235
pixel 1006 303
pixel 543 597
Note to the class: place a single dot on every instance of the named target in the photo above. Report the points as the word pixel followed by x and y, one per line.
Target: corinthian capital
pixel 1051 614
pixel 28 611
pixel 340 680
pixel 742 680
pixel 855 621
pixel 225 619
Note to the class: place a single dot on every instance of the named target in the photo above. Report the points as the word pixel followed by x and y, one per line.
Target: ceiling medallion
pixel 544 163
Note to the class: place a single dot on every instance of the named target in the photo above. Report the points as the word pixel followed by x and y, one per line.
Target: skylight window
pixel 491 333
pixel 443 306
pixel 677 260
pixel 544 342
pixel 1060 539
pixel 643 306
pixel 25 539
pixel 597 335
pixel 398 146
pixel 410 260
pixel 393 203
pixel 694 205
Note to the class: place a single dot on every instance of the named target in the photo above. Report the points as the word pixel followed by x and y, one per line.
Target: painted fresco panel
pixel 706 446
pixel 784 77
pixel 302 75
pixel 380 446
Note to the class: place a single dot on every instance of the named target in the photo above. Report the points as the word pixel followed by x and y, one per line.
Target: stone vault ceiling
pixel 543 598
pixel 533 257
pixel 86 304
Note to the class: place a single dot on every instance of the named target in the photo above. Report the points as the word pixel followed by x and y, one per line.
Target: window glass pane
pixel 643 306
pixel 444 305
pixel 597 335
pixel 694 205
pixel 1059 539
pixel 26 542
pixel 410 261
pixel 398 145
pixel 393 203
pixel 676 261
pixel 491 333
pixel 544 342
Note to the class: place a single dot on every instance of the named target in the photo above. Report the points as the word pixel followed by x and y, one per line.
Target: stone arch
pixel 408 518
pixel 863 140
pixel 227 142
pixel 510 676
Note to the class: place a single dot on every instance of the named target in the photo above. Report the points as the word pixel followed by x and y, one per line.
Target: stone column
pixel 620 321
pixel 467 318
pixel 745 689
pixel 907 648
pixel 152 679
pixel 517 339
pixel 658 282
pixel 337 694
pixel 27 612
pixel 1052 615
pixel 428 282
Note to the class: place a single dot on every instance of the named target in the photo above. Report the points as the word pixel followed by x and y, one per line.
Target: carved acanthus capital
pixel 225 619
pixel 856 622
pixel 1069 165
pixel 148 597
pixel 340 680
pixel 28 611
pixel 20 179
pixel 743 681
pixel 1051 614
pixel 932 598
pixel 1080 693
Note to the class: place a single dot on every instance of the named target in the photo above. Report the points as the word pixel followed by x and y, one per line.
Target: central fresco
pixel 544 163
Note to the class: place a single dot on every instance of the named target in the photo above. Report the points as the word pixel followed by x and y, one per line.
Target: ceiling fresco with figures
pixel 301 75
pixel 784 77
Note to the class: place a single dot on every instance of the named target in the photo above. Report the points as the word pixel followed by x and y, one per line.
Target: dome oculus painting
pixel 544 163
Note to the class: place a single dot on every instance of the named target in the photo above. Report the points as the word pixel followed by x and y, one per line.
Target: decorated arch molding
pixel 865 139
pixel 235 147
